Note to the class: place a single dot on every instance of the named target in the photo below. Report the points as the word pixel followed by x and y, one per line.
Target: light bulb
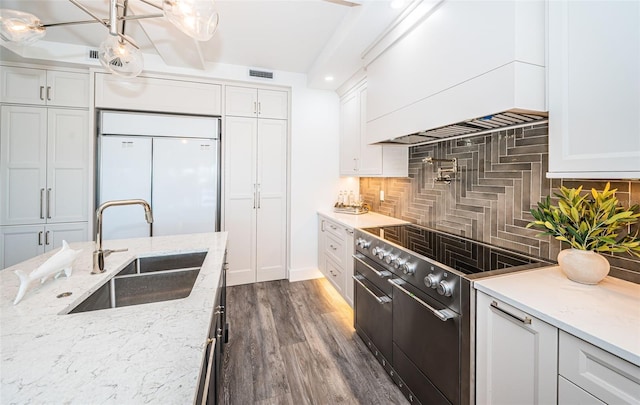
pixel 20 27
pixel 196 18
pixel 120 57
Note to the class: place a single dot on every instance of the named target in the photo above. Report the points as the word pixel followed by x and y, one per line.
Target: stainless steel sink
pixel 145 280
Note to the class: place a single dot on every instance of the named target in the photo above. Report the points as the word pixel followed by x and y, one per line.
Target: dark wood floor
pixel 294 343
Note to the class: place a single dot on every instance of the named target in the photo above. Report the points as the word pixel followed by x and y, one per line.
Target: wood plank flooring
pixel 294 343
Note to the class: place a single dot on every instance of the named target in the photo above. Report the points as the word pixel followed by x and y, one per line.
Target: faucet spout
pixel 99 254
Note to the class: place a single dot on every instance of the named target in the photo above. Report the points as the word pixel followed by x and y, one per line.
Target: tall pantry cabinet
pixel 44 142
pixel 255 142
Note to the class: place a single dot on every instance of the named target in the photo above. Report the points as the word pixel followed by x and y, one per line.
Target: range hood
pixel 476 126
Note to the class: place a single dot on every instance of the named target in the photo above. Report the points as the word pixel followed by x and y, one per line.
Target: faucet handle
pixel 107 252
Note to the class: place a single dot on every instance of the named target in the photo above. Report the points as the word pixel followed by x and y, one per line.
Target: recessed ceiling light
pixel 396 4
pixel 328 78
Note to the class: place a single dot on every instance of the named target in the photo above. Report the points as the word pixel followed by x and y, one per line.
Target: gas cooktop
pixel 462 254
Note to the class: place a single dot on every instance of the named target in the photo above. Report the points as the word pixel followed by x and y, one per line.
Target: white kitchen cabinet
pixel 19 243
pixel 357 158
pixel 571 394
pixel 252 102
pixel 450 61
pixel 43 165
pixel 255 198
pixel 594 77
pixel 157 94
pixel 599 373
pixel 516 355
pixel 335 251
pixel 44 87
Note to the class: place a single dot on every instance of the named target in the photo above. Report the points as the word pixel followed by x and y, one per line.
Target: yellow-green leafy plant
pixel 589 222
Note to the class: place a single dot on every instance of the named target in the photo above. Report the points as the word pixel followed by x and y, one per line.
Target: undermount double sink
pixel 145 280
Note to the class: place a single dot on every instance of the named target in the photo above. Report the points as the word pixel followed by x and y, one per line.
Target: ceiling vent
pixel 263 74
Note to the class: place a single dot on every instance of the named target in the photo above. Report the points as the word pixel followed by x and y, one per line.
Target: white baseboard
pixel 304 274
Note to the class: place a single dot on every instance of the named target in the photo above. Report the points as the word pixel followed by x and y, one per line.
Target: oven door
pixel 426 345
pixel 372 314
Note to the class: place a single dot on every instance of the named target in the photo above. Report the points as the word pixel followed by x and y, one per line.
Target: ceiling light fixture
pixel 119 54
pixel 328 78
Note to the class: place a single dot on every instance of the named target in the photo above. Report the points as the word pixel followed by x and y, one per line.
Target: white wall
pixel 314 178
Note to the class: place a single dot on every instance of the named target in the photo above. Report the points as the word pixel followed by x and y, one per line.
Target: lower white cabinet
pixel 19 243
pixel 335 251
pixel 571 394
pixel 599 373
pixel 516 355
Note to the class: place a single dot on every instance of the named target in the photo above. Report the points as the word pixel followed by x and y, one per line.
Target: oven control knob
pixel 432 280
pixel 445 288
pixel 398 262
pixel 390 258
pixel 364 243
pixel 382 254
pixel 374 251
pixel 408 268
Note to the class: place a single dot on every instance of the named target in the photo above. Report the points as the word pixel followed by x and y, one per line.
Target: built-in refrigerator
pixel 171 161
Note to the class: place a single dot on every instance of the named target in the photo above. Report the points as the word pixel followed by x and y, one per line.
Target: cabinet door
pixel 516 356
pixel 349 134
pixel 23 86
pixel 240 197
pixel 370 162
pixel 271 200
pixel 67 89
pixel 19 243
pixel 273 104
pixel 67 165
pixel 72 232
pixel 23 162
pixel 593 89
pixel 241 101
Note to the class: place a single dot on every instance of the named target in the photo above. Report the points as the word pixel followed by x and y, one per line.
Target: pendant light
pixel 196 18
pixel 120 57
pixel 19 27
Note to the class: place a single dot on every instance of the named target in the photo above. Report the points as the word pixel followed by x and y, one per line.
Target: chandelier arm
pixel 86 10
pixel 103 22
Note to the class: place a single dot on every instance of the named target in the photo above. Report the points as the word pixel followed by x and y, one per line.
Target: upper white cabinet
pixel 357 158
pixel 516 355
pixel 451 61
pixel 44 87
pixel 594 89
pixel 157 94
pixel 252 102
pixel 43 165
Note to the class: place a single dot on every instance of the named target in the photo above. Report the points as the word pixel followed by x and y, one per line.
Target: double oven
pixel 413 305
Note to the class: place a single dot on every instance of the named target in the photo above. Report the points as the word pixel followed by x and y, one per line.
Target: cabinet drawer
pixel 571 394
pixel 334 248
pixel 335 275
pixel 602 374
pixel 334 228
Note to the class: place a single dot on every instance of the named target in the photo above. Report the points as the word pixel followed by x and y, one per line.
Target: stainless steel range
pixel 413 305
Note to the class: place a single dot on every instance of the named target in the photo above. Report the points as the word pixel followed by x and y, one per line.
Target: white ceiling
pixel 314 37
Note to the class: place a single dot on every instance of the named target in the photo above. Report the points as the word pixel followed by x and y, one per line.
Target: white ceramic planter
pixel 583 266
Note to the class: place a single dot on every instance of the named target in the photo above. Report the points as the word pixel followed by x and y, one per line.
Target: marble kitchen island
pixel 148 353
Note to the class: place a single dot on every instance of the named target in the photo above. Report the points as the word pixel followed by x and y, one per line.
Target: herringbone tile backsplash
pixel 500 177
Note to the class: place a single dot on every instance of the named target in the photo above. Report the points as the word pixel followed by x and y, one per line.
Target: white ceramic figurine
pixel 56 264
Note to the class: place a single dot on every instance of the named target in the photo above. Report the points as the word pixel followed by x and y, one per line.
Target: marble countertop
pixel 606 315
pixel 149 353
pixel 368 220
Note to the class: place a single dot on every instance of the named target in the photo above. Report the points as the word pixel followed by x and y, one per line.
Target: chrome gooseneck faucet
pixel 99 254
pixel 442 176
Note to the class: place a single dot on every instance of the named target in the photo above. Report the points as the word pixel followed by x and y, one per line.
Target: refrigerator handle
pixel 258 198
pixel 254 196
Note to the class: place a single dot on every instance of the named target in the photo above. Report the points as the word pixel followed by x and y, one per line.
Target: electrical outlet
pixel 381 195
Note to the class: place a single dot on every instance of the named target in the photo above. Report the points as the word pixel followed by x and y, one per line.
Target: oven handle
pixel 381 300
pixel 443 314
pixel 381 274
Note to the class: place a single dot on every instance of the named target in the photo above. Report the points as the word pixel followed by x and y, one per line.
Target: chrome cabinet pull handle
pixel 381 300
pixel 40 238
pixel 333 247
pixel 526 320
pixel 46 238
pixel 259 108
pixel 254 196
pixel 49 203
pixel 255 107
pixel 381 274
pixel 322 225
pixel 349 231
pixel 49 93
pixel 355 164
pixel 207 379
pixel 443 314
pixel 42 93
pixel 258 195
pixel 42 203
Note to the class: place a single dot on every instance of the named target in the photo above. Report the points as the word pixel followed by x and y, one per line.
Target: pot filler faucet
pixel 99 254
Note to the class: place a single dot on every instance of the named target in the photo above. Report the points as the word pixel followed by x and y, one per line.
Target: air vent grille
pixel 260 73
pixel 93 54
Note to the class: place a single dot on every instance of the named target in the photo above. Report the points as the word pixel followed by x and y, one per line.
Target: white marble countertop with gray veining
pixel 606 315
pixel 148 353
pixel 368 220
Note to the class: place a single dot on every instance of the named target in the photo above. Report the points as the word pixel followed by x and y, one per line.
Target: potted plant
pixel 589 223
